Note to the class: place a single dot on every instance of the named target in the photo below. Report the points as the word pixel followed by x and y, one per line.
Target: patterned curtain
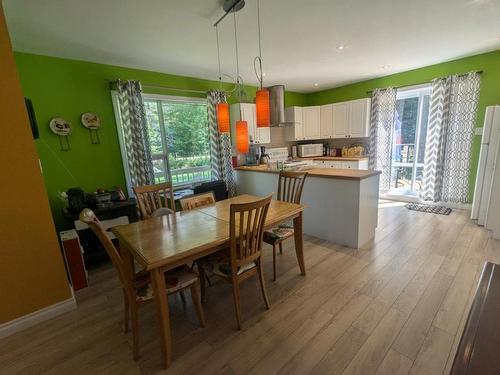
pixel 382 118
pixel 135 134
pixel 452 117
pixel 220 144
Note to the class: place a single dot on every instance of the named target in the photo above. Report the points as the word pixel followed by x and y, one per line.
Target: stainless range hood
pixel 277 105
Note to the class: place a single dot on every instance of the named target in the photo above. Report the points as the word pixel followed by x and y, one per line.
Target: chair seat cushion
pixel 279 233
pixel 224 268
pixel 175 280
pixel 220 264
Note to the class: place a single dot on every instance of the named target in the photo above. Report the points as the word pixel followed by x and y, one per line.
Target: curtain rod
pixel 170 88
pixel 426 82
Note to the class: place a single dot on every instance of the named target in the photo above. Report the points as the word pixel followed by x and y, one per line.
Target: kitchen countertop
pixel 346 174
pixel 336 158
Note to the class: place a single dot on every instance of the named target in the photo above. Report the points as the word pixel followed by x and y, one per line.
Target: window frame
pixel 164 156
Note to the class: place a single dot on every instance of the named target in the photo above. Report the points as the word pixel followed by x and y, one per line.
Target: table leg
pixel 299 242
pixel 160 292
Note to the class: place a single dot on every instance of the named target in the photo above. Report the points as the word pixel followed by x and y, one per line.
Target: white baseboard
pixel 29 320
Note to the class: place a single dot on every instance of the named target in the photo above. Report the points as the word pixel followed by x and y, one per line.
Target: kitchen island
pixel 341 204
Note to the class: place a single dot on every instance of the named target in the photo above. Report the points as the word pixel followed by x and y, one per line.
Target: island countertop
pixel 346 174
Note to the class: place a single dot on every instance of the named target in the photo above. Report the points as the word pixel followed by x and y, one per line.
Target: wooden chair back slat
pixel 152 197
pixel 290 186
pixel 246 238
pixel 198 200
pixel 89 218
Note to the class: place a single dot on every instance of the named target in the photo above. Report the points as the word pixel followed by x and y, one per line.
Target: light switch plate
pixel 478 131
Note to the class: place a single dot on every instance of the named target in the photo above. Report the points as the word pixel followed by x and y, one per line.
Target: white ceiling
pixel 300 37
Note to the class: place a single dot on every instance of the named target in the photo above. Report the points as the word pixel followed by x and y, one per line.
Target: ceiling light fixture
pixel 316 84
pixel 241 126
pixel 262 95
pixel 340 47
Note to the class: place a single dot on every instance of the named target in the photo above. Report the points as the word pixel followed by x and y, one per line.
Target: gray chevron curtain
pixel 383 112
pixel 452 116
pixel 220 144
pixel 135 134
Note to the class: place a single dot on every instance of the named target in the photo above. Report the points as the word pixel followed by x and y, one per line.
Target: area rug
pixel 440 210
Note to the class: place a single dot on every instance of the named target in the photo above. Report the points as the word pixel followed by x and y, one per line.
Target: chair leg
pixel 281 247
pixel 126 311
pixel 236 297
pixel 262 285
pixel 274 262
pixel 183 297
pixel 197 304
pixel 135 332
pixel 201 276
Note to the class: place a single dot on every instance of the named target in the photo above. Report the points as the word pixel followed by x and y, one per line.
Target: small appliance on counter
pixel 253 155
pixel 310 150
pixel 264 158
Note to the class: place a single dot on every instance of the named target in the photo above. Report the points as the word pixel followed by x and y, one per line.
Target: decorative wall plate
pixel 91 121
pixel 60 126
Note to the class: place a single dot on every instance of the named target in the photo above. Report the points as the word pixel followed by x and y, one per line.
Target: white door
pixel 311 118
pixel 326 121
pixel 358 118
pixel 340 114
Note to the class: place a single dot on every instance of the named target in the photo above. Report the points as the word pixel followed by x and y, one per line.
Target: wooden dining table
pixel 160 244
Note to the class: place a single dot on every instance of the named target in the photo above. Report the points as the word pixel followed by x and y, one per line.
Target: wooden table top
pixel 166 240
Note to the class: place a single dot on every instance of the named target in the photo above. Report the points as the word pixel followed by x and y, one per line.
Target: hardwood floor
pixel 397 306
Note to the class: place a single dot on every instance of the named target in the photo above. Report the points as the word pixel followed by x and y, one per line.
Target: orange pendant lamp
pixel 242 137
pixel 262 108
pixel 223 117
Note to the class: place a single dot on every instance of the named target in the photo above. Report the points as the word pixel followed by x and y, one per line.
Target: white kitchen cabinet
pixel 340 164
pixel 359 118
pixel 295 131
pixel 311 122
pixel 247 112
pixel 351 119
pixel 326 121
pixel 340 118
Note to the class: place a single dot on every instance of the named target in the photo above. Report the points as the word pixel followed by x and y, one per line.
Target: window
pixel 179 139
pixel 409 138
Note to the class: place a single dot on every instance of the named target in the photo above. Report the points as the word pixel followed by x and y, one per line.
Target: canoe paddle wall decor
pixel 61 128
pixel 92 122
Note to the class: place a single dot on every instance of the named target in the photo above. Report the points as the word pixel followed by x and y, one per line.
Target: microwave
pixel 309 150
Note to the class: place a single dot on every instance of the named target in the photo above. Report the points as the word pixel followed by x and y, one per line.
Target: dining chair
pixel 290 185
pixel 246 229
pixel 152 197
pixel 137 288
pixel 198 200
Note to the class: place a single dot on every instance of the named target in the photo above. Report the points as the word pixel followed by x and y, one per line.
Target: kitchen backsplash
pixel 278 140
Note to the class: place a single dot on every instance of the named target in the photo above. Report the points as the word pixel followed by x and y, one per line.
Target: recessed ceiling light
pixel 385 67
pixel 263 74
pixel 316 84
pixel 340 47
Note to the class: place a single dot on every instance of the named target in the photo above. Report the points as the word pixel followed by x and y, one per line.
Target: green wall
pixel 489 63
pixel 68 88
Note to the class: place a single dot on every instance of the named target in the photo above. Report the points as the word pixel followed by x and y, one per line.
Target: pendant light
pixel 222 108
pixel 242 146
pixel 262 95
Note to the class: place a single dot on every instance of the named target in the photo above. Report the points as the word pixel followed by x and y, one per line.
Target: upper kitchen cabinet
pixel 359 118
pixel 295 132
pixel 247 112
pixel 311 117
pixel 340 118
pixel 326 121
pixel 351 119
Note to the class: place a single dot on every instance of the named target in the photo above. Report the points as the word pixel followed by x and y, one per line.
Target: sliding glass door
pixel 408 149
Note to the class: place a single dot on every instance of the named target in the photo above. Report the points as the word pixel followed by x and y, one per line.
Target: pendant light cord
pixel 258 72
pixel 218 55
